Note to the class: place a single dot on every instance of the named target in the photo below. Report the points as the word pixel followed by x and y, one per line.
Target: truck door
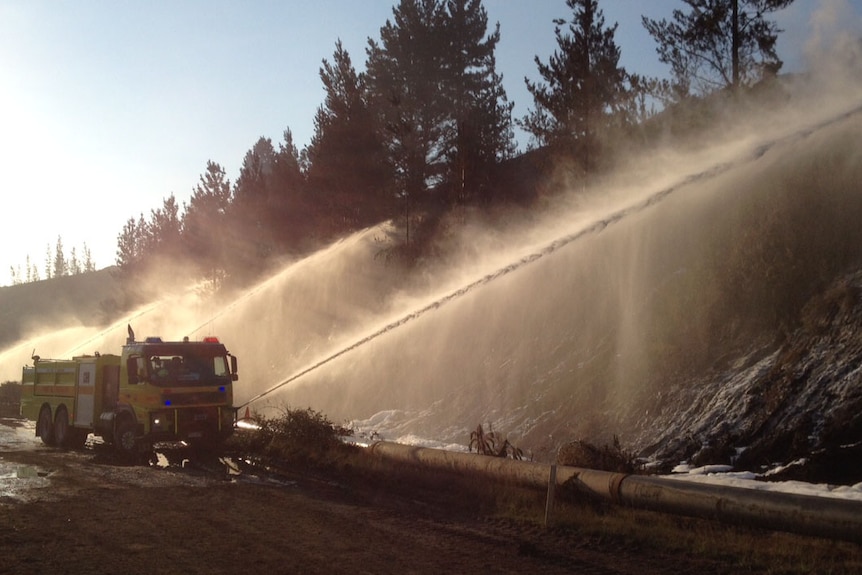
pixel 85 394
pixel 111 387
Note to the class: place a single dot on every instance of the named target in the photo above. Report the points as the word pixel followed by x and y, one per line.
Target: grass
pixel 582 521
pixel 305 440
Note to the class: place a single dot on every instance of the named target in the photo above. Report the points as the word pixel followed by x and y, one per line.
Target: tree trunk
pixel 735 44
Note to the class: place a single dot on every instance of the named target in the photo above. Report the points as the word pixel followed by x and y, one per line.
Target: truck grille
pixel 200 398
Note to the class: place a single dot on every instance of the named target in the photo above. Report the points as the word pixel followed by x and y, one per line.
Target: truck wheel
pixel 45 426
pixel 124 436
pixel 62 432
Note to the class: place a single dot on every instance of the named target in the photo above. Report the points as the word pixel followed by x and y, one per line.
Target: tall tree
pixel 478 132
pixel 32 271
pixel 204 223
pixel 442 106
pixel 163 230
pixel 131 246
pixel 290 214
pixel 717 44
pixel 347 167
pixel 404 79
pixel 89 264
pixel 251 235
pixel 49 263
pixel 268 210
pixel 583 84
pixel 74 264
pixel 61 266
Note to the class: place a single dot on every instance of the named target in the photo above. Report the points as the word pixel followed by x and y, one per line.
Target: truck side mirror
pixel 233 372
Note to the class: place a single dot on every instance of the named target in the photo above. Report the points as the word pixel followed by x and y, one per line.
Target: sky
pixel 108 108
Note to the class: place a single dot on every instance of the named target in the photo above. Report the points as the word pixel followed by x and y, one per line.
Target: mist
pixel 580 320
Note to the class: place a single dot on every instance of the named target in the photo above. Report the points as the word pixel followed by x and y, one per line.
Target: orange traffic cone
pixel 247 415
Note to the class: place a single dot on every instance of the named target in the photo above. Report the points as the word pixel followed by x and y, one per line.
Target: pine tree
pixel 49 262
pixel 290 215
pixel 163 231
pixel 34 273
pixel 74 265
pixel 89 265
pixel 404 80
pixel 131 245
pixel 250 215
pixel 61 267
pixel 717 44
pixel 478 132
pixel 442 108
pixel 583 84
pixel 347 167
pixel 205 222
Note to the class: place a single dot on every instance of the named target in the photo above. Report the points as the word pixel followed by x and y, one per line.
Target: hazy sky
pixel 107 108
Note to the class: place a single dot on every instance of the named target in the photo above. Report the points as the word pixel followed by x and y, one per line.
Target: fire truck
pixel 154 391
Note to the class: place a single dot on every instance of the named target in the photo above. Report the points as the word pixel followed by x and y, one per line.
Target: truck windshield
pixel 188 369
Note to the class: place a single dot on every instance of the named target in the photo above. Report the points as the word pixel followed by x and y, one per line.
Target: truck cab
pixel 172 391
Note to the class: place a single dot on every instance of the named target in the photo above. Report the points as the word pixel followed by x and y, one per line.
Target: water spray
pixel 119 324
pixel 248 295
pixel 561 242
pixel 109 329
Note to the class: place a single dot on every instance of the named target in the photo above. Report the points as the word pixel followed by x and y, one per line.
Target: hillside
pixel 795 400
pixel 699 304
pixel 690 310
pixel 86 299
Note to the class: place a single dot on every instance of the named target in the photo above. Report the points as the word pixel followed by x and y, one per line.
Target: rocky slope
pixel 797 403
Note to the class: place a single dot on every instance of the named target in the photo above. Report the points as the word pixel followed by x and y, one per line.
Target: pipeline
pixel 802 514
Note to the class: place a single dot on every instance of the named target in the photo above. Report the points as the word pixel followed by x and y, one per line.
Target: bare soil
pixel 82 512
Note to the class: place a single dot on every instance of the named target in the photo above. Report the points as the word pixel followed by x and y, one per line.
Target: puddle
pixel 24 472
pixel 17 481
pixel 27 467
pixel 18 434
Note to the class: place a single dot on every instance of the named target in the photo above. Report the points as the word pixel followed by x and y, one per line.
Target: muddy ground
pixel 82 512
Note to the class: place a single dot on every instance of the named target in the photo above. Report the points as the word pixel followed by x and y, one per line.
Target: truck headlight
pixel 161 421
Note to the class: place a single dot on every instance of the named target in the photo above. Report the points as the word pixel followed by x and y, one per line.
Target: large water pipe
pixel 803 514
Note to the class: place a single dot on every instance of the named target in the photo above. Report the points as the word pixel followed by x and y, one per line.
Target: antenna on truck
pixel 33 355
pixel 131 339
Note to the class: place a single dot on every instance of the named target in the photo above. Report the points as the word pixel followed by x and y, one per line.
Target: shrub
pixel 606 458
pixel 492 443
pixel 301 435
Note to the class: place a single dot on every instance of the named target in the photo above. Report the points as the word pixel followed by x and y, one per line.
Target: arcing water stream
pixel 585 335
pixel 613 313
pixel 549 249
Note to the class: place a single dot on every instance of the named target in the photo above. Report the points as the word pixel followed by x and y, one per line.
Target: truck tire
pixel 125 440
pixel 62 431
pixel 45 426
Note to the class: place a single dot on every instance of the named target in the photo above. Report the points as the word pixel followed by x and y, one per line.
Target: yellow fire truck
pixel 155 391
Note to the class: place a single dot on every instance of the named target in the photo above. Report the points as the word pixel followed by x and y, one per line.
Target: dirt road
pixel 79 512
